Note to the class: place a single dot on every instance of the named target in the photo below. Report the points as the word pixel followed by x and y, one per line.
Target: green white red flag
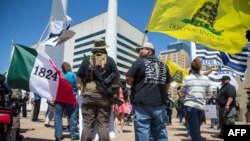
pixel 34 71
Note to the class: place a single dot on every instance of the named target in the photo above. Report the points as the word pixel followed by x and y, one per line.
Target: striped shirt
pixel 195 88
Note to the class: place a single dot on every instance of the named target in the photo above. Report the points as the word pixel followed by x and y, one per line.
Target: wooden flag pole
pixel 44 32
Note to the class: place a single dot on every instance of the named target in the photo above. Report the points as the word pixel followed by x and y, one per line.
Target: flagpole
pixel 11 54
pixel 44 32
pixel 11 45
pixel 146 31
pixel 11 48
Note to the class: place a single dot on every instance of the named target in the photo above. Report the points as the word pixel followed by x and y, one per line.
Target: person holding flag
pixel 71 110
pixel 195 87
pixel 35 72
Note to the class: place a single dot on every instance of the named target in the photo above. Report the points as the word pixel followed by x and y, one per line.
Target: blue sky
pixel 24 21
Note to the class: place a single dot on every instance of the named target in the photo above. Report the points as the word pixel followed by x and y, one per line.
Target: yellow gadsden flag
pixel 218 24
pixel 176 72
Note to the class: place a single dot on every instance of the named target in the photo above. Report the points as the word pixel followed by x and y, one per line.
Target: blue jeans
pixel 194 121
pixel 187 127
pixel 181 115
pixel 150 120
pixel 72 114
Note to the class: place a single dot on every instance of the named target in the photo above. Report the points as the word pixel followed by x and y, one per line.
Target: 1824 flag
pixel 34 71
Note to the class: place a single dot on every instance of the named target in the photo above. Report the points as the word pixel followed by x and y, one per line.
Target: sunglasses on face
pixel 144 49
pixel 95 51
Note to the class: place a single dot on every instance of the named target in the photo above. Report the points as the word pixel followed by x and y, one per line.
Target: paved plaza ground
pixel 36 131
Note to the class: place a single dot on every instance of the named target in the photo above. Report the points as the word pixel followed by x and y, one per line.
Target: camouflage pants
pixel 96 108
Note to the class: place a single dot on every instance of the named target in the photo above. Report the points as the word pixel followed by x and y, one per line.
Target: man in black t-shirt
pixel 150 79
pixel 226 102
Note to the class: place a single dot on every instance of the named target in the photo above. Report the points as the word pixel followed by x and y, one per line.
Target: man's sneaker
pixel 66 129
pixel 76 138
pixel 34 120
pixel 60 139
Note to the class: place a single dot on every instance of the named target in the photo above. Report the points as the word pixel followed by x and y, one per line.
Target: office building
pixel 128 39
pixel 178 53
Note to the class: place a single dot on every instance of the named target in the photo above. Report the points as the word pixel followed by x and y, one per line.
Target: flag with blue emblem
pixel 236 64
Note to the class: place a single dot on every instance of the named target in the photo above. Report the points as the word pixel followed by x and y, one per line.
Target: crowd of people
pixel 147 99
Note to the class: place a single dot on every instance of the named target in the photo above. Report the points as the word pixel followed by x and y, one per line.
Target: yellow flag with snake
pixel 176 72
pixel 218 24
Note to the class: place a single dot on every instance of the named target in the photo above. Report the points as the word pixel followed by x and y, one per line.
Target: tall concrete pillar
pixel 111 30
pixel 193 51
pixel 111 39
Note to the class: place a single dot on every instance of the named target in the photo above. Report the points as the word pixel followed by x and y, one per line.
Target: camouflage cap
pixel 100 44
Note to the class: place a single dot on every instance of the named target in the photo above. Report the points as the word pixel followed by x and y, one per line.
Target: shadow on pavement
pixel 38 121
pixel 216 136
pixel 36 139
pixel 209 132
pixel 66 136
pixel 179 129
pixel 186 139
pixel 127 131
pixel 184 135
pixel 202 139
pixel 22 130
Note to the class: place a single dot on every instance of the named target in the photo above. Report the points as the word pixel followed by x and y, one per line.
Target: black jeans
pixel 169 113
pixel 24 109
pixel 226 118
pixel 36 110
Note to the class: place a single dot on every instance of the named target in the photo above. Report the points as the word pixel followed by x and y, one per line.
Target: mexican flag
pixel 35 72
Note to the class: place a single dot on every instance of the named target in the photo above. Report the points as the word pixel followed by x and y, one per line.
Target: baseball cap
pixel 146 45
